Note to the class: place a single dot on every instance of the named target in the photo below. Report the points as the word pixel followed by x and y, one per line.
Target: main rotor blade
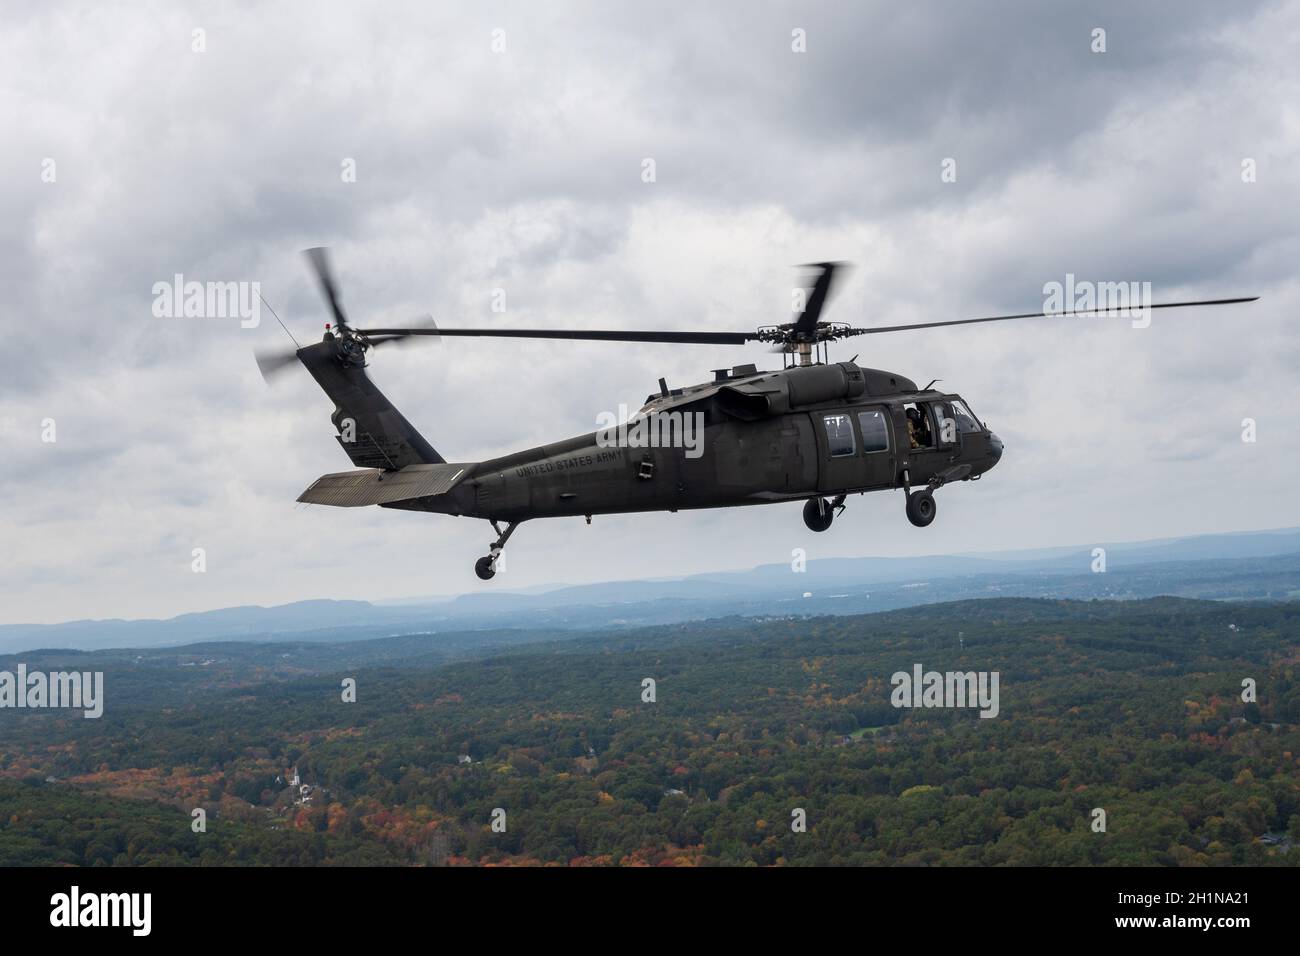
pixel 426 327
pixel 320 263
pixel 592 335
pixel 821 288
pixel 1049 315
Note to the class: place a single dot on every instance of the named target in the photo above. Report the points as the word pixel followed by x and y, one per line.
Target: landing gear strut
pixel 486 566
pixel 818 513
pixel 920 504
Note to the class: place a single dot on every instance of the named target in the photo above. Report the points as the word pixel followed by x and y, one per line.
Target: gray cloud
pixel 521 171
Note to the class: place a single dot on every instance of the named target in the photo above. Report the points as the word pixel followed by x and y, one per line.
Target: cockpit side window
pixel 945 424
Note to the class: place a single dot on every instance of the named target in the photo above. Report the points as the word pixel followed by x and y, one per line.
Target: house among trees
pixel 302 792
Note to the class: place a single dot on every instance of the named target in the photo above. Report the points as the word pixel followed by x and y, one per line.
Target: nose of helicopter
pixel 995 450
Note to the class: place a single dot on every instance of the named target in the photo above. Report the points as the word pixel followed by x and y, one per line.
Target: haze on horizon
pixel 521 170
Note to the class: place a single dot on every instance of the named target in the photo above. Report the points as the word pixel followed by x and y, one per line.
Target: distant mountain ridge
pixel 1244 565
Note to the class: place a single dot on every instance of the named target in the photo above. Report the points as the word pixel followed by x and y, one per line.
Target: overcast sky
pixel 521 169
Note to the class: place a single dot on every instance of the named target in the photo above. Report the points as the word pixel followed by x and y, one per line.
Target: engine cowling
pixel 791 389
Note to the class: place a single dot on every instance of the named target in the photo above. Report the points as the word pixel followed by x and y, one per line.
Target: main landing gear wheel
pixel 485 567
pixel 920 508
pixel 818 514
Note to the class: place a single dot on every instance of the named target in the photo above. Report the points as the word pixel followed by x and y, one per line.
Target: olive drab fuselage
pixel 822 431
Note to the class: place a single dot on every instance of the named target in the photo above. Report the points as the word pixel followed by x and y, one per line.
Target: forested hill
pixel 1134 709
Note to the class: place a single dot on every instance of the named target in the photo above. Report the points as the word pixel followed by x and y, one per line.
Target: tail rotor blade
pixel 272 362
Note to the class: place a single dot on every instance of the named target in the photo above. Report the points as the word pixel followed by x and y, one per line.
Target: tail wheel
pixel 920 508
pixel 818 514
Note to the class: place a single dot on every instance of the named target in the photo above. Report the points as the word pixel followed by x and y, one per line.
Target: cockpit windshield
pixel 966 421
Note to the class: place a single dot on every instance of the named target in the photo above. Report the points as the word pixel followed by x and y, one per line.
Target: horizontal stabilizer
pixel 373 486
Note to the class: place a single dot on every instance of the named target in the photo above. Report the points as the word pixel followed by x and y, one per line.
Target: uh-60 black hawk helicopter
pixel 814 431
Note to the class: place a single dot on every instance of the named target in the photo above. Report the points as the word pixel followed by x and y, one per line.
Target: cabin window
pixel 839 435
pixel 875 431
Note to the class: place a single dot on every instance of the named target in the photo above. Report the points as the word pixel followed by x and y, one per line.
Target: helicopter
pixel 814 431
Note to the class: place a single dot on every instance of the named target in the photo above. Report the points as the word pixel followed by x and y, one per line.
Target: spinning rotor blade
pixel 1048 315
pixel 271 362
pixel 426 327
pixel 821 288
pixel 320 263
pixel 807 328
pixel 592 335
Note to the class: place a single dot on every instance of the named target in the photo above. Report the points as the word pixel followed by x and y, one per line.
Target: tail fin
pixel 371 430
